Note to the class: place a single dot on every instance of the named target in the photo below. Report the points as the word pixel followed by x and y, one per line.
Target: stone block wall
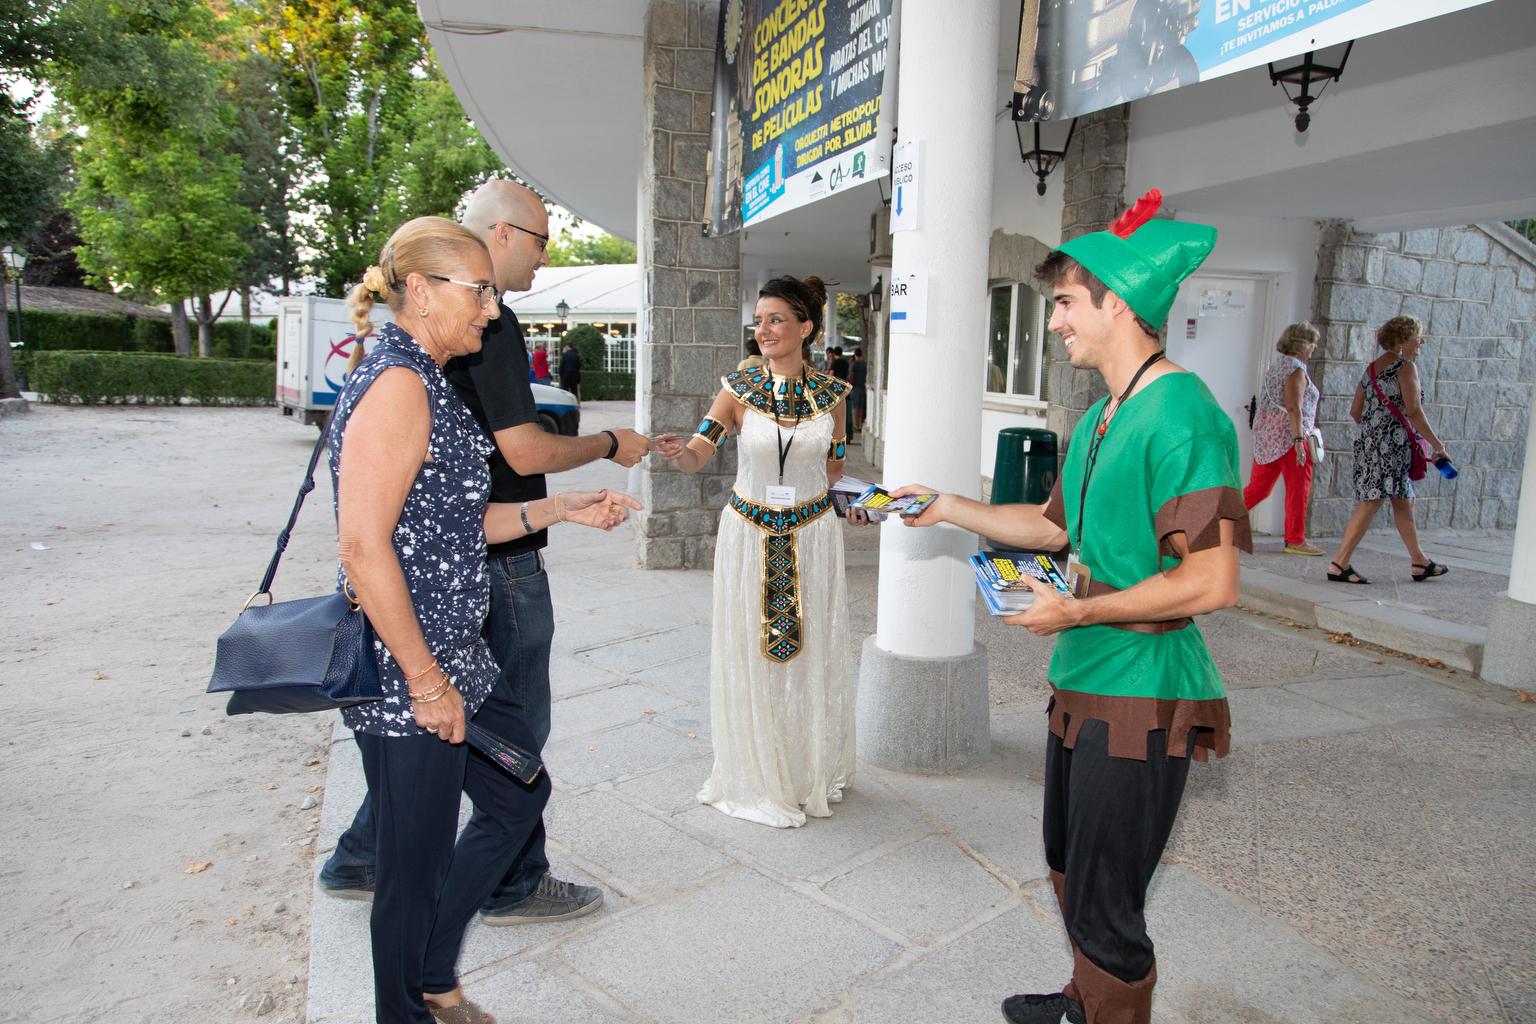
pixel 1094 179
pixel 691 302
pixel 1474 288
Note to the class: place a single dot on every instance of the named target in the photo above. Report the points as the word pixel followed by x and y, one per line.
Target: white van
pixel 315 340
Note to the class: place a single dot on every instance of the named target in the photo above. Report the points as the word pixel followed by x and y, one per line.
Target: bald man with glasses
pixel 520 629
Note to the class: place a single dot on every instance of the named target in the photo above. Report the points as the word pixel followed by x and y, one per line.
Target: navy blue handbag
pixel 314 654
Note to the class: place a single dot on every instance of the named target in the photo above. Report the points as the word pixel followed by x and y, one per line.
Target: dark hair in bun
pixel 807 298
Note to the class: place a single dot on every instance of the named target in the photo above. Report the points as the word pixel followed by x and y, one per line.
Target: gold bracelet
pixel 431 695
pixel 412 678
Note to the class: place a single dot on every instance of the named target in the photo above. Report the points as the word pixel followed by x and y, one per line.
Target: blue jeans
pixel 520 630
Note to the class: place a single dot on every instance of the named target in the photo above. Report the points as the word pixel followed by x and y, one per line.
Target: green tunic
pixel 1168 463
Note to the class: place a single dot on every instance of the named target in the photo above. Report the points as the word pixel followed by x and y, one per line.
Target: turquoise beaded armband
pixel 712 431
pixel 838 450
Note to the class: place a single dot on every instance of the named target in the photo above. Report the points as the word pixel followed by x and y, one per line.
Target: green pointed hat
pixel 1143 260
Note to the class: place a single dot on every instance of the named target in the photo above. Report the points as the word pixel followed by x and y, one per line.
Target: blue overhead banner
pixel 800 105
pixel 1078 56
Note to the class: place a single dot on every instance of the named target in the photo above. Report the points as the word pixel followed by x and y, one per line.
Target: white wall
pixel 1422 127
pixel 1277 246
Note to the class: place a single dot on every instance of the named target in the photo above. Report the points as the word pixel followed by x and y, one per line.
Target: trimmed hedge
pixel 601 386
pixel 136 378
pixel 50 331
pixel 47 330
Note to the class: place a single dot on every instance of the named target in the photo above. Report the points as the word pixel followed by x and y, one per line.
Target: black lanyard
pixel 1100 427
pixel 773 398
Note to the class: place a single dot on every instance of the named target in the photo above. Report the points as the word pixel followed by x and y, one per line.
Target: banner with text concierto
pixel 1076 57
pixel 800 107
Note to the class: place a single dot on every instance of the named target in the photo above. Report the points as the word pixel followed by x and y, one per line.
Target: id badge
pixel 1078 576
pixel 778 494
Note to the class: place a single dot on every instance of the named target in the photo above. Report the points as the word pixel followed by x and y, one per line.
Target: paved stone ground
pixel 1366 854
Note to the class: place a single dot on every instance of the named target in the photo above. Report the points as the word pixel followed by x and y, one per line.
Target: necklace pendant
pixel 1103 427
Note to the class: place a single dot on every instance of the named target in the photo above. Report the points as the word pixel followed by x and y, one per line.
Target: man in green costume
pixel 1149 499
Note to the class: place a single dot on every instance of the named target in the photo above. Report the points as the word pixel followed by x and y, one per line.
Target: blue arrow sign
pixel 899 190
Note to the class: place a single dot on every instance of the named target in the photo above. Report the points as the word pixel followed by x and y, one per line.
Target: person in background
pixel 754 357
pixel 540 364
pixel 781 690
pixel 570 371
pixel 1388 392
pixel 858 377
pixel 410 481
pixel 837 363
pixel 493 383
pixel 1286 417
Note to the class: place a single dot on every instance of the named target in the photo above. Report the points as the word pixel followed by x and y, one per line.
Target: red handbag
pixel 1418 449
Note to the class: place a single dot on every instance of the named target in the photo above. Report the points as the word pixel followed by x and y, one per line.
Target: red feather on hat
pixel 1138 214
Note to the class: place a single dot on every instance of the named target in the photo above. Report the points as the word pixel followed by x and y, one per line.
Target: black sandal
pixel 1431 570
pixel 1346 574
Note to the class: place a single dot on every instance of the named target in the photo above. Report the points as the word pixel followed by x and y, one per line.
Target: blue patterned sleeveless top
pixel 439 538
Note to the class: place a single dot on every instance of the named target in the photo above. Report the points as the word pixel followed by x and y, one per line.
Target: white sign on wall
pixel 904 186
pixel 908 302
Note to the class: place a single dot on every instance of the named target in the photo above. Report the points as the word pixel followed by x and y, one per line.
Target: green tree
pixel 435 155
pixel 850 314
pixel 348 74
pixel 158 184
pixel 567 250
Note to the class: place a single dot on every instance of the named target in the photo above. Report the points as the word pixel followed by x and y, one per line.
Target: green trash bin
pixel 1025 470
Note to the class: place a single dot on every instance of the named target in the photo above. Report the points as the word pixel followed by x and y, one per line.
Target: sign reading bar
pixel 799 104
pixel 1075 58
pixel 908 302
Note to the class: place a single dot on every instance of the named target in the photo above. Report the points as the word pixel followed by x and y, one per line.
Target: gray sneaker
pixel 553 900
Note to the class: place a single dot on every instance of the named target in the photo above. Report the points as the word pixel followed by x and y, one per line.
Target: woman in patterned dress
pixel 408 466
pixel 781 690
pixel 1382 457
pixel 1287 413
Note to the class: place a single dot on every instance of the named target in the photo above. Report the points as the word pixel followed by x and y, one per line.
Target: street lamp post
pixel 16 260
pixel 563 311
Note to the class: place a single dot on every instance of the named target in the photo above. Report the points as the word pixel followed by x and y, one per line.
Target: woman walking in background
pixel 1287 416
pixel 1388 395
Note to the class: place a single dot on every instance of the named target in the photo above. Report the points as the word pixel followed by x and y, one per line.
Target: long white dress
pixel 783 731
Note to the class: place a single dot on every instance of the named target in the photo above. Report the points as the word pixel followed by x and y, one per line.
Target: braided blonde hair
pixel 423 245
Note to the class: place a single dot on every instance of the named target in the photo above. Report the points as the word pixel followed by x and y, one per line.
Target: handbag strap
pixel 293 517
pixel 1391 405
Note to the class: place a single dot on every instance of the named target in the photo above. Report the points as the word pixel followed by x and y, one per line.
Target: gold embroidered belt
pixel 783 631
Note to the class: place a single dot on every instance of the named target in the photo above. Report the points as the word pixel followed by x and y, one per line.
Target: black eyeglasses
pixel 486 293
pixel 543 240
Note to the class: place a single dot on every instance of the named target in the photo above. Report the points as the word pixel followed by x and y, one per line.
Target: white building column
pixel 923 683
pixel 1509 656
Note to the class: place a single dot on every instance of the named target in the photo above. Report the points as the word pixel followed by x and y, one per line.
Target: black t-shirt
pixel 859 374
pixel 494 384
pixel 839 368
pixel 570 366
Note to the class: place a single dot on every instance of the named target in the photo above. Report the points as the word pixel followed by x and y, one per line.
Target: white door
pixel 1218 329
pixel 290 357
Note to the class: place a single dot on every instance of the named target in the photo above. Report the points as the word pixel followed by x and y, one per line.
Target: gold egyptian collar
pixel 801 397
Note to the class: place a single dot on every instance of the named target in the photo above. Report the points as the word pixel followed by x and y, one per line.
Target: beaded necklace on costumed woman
pixel 773 399
pixel 1100 428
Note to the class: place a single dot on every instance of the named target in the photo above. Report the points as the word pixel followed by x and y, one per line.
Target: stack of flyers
pixel 999 578
pixel 521 765
pixel 877 503
pixel 844 493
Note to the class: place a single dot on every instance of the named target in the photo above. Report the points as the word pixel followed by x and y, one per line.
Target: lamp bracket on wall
pixel 1041 161
pixel 1304 75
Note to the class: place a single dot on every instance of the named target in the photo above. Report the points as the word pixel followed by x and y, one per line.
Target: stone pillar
pixel 690 316
pixel 1094 183
pixel 1509 656
pixel 923 682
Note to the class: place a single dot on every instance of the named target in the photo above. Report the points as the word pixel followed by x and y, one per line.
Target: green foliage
pixel 600 386
pixel 850 314
pixel 152 335
pixel 28 171
pixel 1526 227
pixel 157 196
pixel 567 250
pixel 589 345
pixel 47 330
pixel 97 378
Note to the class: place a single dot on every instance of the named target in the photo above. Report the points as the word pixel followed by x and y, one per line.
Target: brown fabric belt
pixel 1098 588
